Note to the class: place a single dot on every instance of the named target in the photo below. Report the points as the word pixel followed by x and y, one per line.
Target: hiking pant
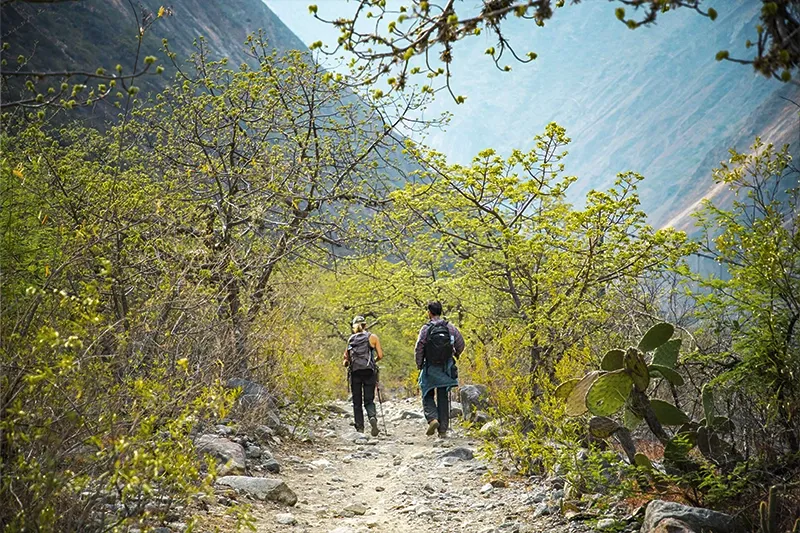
pixel 436 406
pixel 362 385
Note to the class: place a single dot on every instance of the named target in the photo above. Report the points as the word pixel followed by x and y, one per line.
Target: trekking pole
pixel 380 402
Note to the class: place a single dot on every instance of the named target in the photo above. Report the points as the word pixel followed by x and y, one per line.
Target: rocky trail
pixel 347 482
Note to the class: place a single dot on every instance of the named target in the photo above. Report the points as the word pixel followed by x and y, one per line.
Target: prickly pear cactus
pixel 668 414
pixel 602 427
pixel 656 336
pixel 608 393
pixel 612 360
pixel 667 353
pixel 668 373
pixel 563 391
pixel 637 368
pixel 576 401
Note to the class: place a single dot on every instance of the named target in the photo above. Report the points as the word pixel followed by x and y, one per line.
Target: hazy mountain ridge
pixel 653 100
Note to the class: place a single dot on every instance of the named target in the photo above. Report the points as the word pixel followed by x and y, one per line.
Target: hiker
pixel 360 357
pixel 438 346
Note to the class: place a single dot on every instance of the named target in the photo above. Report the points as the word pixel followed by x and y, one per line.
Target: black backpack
pixel 439 345
pixel 360 351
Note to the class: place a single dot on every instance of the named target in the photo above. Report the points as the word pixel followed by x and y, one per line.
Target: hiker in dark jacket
pixel 361 356
pixel 438 346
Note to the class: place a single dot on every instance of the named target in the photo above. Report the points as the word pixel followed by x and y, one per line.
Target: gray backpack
pixel 360 351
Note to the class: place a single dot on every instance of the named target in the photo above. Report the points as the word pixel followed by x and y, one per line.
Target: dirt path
pixel 403 482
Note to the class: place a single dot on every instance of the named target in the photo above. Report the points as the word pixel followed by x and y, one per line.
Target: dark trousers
pixel 436 406
pixel 362 385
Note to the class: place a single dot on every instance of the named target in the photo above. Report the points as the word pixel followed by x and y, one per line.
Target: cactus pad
pixel 602 427
pixel 656 336
pixel 636 367
pixel 630 419
pixel 667 353
pixel 576 401
pixel 643 461
pixel 668 414
pixel 612 360
pixel 668 373
pixel 562 391
pixel 608 393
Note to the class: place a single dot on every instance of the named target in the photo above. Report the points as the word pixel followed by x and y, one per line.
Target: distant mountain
pixel 87 34
pixel 653 100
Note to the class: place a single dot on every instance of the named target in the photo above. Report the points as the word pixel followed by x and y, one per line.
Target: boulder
pixel 229 454
pixel 465 454
pixel 260 488
pixel 272 466
pixel 673 525
pixel 252 393
pixel 473 397
pixel 694 517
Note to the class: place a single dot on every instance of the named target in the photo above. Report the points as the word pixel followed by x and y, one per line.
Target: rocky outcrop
pixel 664 516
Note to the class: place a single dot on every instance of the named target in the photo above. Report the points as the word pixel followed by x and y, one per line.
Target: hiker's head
pixel 434 308
pixel 359 324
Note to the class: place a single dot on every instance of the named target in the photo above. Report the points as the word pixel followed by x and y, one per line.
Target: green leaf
pixel 667 353
pixel 576 401
pixel 678 448
pixel 656 336
pixel 669 374
pixel 608 393
pixel 668 414
pixel 612 360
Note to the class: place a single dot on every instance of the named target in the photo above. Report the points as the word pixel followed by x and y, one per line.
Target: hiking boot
pixel 360 430
pixel 442 434
pixel 433 425
pixel 374 423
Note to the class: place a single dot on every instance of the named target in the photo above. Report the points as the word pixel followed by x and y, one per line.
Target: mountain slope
pixel 653 100
pixel 103 33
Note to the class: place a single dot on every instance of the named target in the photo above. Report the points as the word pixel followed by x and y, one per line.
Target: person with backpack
pixel 360 357
pixel 438 346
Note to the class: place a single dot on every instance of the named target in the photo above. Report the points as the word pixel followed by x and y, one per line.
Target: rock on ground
pixel 230 454
pixel 261 488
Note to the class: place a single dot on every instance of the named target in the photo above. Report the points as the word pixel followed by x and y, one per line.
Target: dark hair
pixel 435 308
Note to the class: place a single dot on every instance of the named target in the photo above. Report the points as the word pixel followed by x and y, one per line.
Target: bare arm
pixel 375 342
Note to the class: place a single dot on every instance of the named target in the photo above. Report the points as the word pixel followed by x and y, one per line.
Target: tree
pixel 758 241
pixel 276 162
pixel 399 40
pixel 138 273
pixel 508 250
